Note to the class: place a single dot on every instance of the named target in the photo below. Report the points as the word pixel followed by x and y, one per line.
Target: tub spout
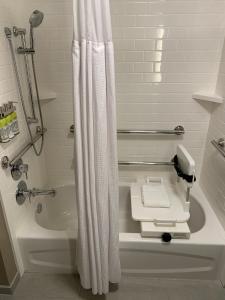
pixel 24 193
pixel 38 192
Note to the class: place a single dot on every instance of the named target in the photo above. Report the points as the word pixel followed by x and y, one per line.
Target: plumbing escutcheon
pixel 21 193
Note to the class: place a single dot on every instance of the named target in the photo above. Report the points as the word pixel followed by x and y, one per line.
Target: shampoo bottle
pixel 15 121
pixel 9 120
pixel 4 137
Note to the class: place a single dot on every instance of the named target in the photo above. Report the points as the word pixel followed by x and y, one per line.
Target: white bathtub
pixel 47 240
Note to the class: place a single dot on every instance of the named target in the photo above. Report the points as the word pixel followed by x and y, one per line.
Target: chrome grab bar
pixel 145 163
pixel 219 145
pixel 178 130
pixel 6 162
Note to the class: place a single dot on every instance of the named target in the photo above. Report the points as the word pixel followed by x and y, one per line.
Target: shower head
pixel 36 18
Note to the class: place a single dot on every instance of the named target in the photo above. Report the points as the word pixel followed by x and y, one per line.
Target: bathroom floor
pixel 62 287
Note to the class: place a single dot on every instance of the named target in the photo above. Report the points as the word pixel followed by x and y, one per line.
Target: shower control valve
pixel 18 169
pixel 24 169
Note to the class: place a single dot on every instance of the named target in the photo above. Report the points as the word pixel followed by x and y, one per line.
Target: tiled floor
pixel 62 287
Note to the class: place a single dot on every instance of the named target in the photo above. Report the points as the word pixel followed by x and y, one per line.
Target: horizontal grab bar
pixel 145 163
pixel 178 130
pixel 6 162
pixel 219 145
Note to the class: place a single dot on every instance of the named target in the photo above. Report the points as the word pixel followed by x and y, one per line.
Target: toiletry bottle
pixel 10 106
pixel 9 121
pixel 12 117
pixel 16 129
pixel 3 127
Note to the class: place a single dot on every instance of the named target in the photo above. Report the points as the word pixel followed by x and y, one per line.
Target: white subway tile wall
pixel 213 169
pixel 54 68
pixel 36 175
pixel 164 52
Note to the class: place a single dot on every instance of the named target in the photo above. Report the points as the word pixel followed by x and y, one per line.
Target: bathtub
pixel 47 240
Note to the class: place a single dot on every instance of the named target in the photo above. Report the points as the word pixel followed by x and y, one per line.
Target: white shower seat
pixel 177 212
pixel 156 221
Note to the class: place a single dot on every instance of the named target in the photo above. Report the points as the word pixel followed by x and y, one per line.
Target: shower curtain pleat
pixel 96 164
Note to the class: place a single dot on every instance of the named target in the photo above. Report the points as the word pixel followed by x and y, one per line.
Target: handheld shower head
pixel 36 18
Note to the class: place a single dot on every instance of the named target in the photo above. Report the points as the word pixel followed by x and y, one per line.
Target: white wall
pixel 164 52
pixel 54 68
pixel 213 170
pixel 8 92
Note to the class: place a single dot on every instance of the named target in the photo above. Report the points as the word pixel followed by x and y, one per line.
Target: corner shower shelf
pixel 208 97
pixel 47 96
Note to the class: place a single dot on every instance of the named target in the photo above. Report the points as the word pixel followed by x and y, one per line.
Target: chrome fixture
pixel 35 20
pixel 6 162
pixel 178 130
pixel 18 169
pixel 145 163
pixel 25 51
pixel 8 32
pixel 24 193
pixel 37 192
pixel 39 208
pixel 18 31
pixel 72 128
pixel 219 145
pixel 20 197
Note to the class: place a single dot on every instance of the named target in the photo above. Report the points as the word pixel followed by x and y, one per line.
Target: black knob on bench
pixel 166 237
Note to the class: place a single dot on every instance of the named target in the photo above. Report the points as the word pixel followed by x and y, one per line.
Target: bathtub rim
pixel 212 226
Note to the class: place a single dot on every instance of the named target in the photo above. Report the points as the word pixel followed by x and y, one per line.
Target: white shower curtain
pixel 96 165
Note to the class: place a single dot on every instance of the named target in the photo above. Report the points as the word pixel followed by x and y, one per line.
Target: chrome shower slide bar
pixel 6 162
pixel 178 130
pixel 145 163
pixel 219 145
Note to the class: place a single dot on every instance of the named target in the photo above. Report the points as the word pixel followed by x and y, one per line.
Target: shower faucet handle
pixel 18 169
pixel 24 169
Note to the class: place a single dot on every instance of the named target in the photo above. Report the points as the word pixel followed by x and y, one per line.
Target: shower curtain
pixel 96 165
